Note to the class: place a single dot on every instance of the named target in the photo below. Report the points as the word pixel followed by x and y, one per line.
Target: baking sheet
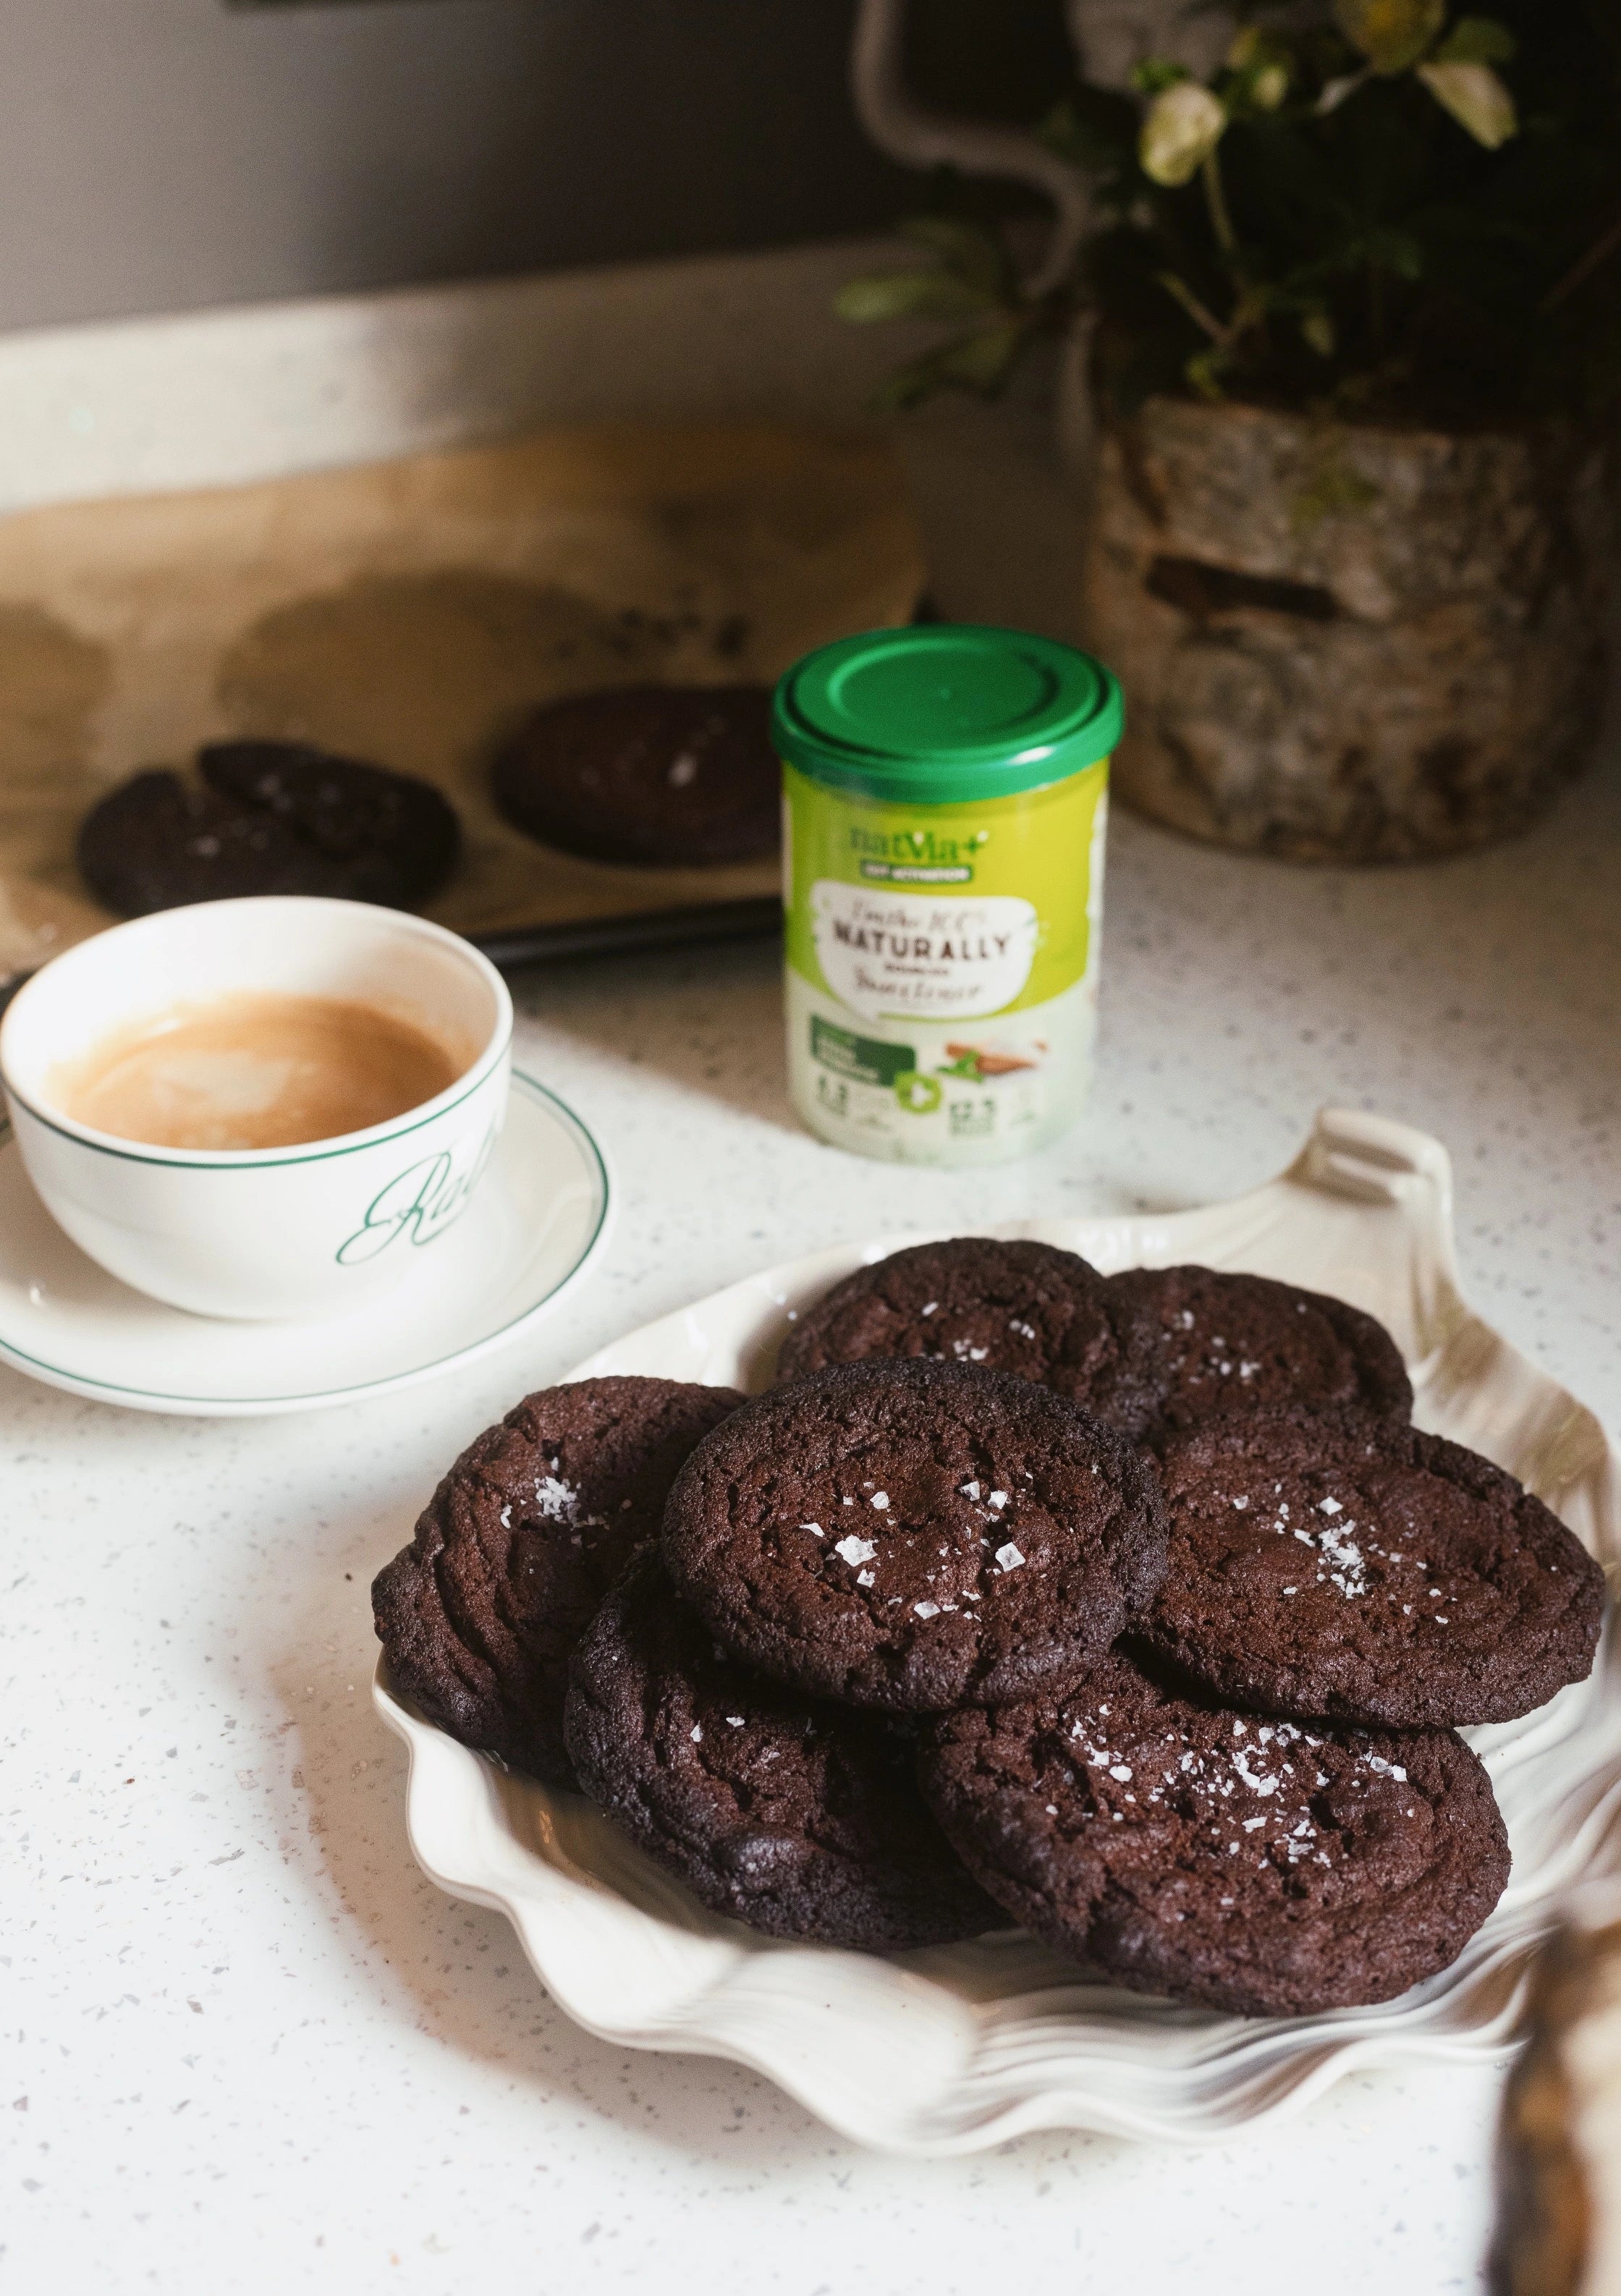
pixel 413 612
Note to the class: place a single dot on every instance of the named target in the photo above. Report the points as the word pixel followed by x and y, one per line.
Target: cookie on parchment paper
pixel 268 816
pixel 658 776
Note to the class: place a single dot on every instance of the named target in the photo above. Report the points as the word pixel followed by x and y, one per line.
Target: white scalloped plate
pixel 962 2047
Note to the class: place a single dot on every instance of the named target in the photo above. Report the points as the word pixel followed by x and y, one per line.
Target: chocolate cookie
pixel 268 817
pixel 913 1535
pixel 1346 1565
pixel 1265 1868
pixel 661 776
pixel 1198 1343
pixel 1021 1307
pixel 479 1615
pixel 802 1819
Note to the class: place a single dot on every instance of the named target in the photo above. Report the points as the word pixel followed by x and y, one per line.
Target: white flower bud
pixel 1475 98
pixel 1181 129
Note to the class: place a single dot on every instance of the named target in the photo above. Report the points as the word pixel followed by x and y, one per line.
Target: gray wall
pixel 164 154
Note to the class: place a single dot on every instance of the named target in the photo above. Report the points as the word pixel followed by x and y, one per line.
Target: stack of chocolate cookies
pixel 1133 1609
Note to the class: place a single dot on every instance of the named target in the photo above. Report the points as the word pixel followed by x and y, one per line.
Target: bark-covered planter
pixel 1344 643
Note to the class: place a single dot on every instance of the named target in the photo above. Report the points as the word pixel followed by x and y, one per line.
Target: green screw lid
pixel 945 711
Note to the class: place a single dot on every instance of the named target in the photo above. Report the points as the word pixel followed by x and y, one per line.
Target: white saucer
pixel 539 1215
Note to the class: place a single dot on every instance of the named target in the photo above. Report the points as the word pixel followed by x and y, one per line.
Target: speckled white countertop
pixel 247 2047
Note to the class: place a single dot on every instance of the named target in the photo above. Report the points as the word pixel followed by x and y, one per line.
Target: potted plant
pixel 1352 301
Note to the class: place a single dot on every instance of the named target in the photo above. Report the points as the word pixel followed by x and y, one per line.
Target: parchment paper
pixel 412 612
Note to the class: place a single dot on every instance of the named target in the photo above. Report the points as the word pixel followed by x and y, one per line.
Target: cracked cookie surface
pixel 267 816
pixel 1026 1308
pixel 1343 1565
pixel 1198 1343
pixel 479 1615
pixel 802 1818
pixel 1263 1868
pixel 913 1535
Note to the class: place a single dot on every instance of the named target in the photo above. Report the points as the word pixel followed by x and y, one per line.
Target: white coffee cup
pixel 257 1233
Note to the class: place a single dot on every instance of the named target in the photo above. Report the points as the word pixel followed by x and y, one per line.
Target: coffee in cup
pixel 350 1062
pixel 256 1070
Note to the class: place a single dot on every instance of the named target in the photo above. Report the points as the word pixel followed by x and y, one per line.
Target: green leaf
pixel 982 360
pixel 1477 40
pixel 970 248
pixel 909 386
pixel 1263 68
pixel 1384 250
pixel 1102 145
pixel 908 295
pixel 979 361
pixel 1155 74
pixel 1204 373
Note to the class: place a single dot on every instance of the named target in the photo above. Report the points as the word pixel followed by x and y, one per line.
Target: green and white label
pixel 940 957
pixel 941 967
